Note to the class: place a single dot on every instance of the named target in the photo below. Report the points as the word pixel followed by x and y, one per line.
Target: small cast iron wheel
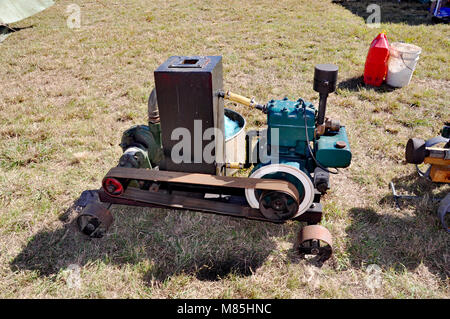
pixel 315 240
pixel 276 205
pixel 113 186
pixel 94 220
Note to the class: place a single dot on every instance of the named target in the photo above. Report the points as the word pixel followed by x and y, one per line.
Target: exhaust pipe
pixel 325 77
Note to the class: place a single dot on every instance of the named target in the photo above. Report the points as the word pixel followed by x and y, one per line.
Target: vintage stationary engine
pixel 186 156
pixel 305 146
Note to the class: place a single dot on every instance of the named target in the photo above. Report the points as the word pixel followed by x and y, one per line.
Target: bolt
pixel 111 188
pixel 341 144
pixel 89 229
pixel 322 187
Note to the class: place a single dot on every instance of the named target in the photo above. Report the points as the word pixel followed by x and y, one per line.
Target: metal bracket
pixel 396 196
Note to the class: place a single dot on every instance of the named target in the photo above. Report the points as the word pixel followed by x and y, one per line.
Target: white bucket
pixel 235 145
pixel 403 58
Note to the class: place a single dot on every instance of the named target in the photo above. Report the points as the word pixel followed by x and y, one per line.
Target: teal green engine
pixel 294 124
pixel 297 154
pixel 287 119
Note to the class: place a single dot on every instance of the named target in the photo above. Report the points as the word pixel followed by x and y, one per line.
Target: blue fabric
pixel 231 127
pixel 444 12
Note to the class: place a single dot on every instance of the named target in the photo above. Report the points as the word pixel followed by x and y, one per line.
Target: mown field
pixel 68 94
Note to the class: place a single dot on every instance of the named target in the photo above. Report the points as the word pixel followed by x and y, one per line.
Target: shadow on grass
pixel 410 12
pixel 406 239
pixel 159 243
pixel 356 83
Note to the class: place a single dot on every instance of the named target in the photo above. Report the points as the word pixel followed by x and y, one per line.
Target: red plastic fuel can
pixel 376 66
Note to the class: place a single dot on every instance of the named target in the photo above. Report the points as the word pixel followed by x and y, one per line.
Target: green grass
pixel 67 96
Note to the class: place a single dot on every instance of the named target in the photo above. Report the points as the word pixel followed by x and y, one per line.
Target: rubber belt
pixel 204 179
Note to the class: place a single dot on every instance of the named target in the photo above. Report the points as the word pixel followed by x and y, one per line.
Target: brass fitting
pixel 329 125
pixel 242 100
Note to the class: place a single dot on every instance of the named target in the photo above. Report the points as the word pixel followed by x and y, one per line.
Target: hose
pixel 309 144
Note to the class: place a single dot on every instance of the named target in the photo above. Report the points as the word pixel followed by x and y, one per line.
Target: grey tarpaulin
pixel 443 209
pixel 15 10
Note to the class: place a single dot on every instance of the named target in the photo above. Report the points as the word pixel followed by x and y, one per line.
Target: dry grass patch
pixel 67 96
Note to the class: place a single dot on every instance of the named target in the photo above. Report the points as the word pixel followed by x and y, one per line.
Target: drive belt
pixel 138 197
pixel 126 173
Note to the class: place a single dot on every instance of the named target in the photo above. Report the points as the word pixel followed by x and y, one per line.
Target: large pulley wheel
pixel 94 220
pixel 277 205
pixel 315 240
pixel 306 199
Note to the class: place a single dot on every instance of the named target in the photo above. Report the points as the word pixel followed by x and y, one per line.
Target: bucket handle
pixel 401 55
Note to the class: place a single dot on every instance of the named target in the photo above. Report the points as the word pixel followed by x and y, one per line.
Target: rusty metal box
pixel 187 89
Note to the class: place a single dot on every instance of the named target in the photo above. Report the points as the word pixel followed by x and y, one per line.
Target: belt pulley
pixel 284 194
pixel 279 201
pixel 271 208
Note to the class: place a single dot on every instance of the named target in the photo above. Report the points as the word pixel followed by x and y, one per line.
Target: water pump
pixel 186 156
